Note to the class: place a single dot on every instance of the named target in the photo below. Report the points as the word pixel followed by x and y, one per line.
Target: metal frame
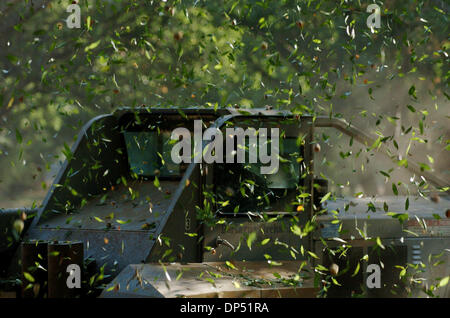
pixel 367 139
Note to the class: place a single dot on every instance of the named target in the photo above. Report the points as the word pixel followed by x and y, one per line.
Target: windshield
pixel 149 153
pixel 241 188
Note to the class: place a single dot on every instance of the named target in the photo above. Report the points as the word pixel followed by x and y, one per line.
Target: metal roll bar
pixel 365 138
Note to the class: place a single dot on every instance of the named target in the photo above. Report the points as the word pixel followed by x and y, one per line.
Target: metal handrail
pixel 17 210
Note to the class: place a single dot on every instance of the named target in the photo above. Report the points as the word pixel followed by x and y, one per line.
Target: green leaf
pixel 92 46
pixel 356 270
pixel 156 182
pixel 230 265
pixel 67 152
pixel 274 263
pixel 88 22
pixel 371 207
pixel 28 277
pixel 412 92
pixel 166 253
pixel 250 239
pixel 296 230
pixel 402 217
pixel 335 281
pixel 444 281
pixel 412 109
pixel 376 144
pixel 313 255
pixel 18 136
pixel 123 222
pixel 321 268
pixel 265 241
pixel 394 189
pixel 403 162
pixel 378 240
pixel 325 197
pixel 12 58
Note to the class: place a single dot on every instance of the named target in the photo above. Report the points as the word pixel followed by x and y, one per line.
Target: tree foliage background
pixel 311 57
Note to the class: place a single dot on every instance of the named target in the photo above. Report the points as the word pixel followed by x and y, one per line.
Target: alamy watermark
pixel 373 20
pixel 213 152
pixel 374 279
pixel 74 20
pixel 74 278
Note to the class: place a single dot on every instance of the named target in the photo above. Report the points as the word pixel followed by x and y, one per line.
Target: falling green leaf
pixel 28 276
pixel 394 189
pixel 18 136
pixel 325 197
pixel 230 265
pixel 92 46
pixel 250 239
pixel 265 241
pixel 444 281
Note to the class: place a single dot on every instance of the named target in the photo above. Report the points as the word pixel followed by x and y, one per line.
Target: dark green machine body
pixel 128 209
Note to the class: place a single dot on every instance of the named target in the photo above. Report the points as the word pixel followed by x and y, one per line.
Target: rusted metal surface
pixel 34 262
pixel 212 280
pixel 60 256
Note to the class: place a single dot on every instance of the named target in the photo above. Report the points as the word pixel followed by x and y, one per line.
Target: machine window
pixel 149 153
pixel 241 188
